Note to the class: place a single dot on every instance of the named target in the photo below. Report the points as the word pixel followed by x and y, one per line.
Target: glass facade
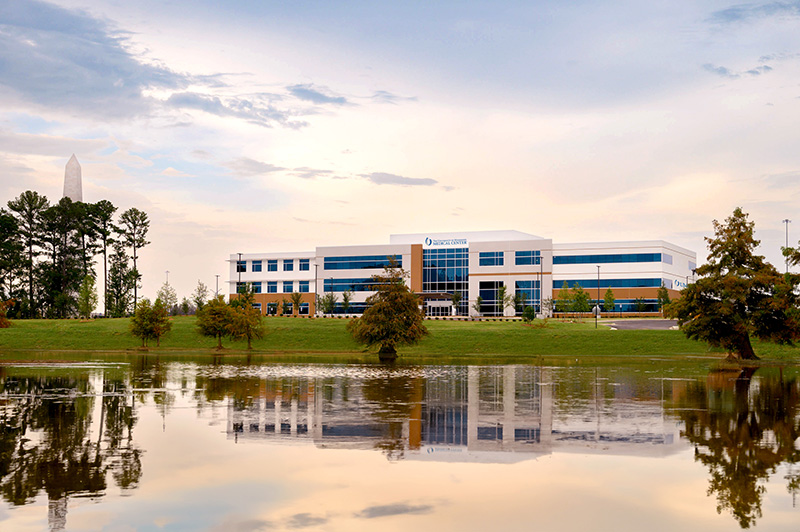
pixel 490 258
pixel 305 265
pixel 447 271
pixel 354 285
pixel 524 258
pixel 607 259
pixel 614 283
pixel 361 262
pixel 531 295
pixel 487 290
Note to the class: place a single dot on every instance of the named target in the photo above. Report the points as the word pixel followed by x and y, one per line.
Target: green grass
pixel 295 339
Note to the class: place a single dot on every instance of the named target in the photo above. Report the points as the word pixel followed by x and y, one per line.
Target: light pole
pixel 216 292
pixel 316 297
pixel 787 221
pixel 167 276
pixel 597 314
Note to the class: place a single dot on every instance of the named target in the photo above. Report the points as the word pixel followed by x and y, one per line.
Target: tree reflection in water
pixel 45 440
pixel 396 397
pixel 742 430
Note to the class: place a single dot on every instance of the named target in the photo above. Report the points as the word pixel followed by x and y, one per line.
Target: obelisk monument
pixel 72 180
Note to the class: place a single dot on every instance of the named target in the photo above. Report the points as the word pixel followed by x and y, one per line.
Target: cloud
pixel 246 167
pixel 730 74
pixel 372 512
pixel 311 94
pixel 253 110
pixel 172 172
pixel 745 12
pixel 23 143
pixel 311 173
pixel 382 178
pixel 306 520
pixel 388 97
pixel 67 59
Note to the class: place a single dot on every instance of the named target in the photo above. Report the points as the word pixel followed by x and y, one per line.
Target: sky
pixel 258 126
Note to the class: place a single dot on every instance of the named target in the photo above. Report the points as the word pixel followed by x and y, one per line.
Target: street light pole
pixel 787 221
pixel 597 314
pixel 216 292
pixel 167 276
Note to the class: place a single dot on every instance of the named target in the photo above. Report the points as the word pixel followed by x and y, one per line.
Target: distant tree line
pixel 47 252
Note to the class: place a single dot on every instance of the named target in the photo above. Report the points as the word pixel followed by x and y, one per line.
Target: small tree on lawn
pixel 529 314
pixel 609 301
pixel 579 299
pixel 160 324
pixel 639 305
pixel 87 297
pixel 347 297
pixel 564 301
pixel 214 319
pixel 200 295
pixel 504 299
pixel 663 298
pixel 245 321
pixel 738 294
pixel 141 320
pixel 327 303
pixel 297 298
pixel 393 316
pixel 4 306
pixel 286 306
pixel 478 305
pixel 168 296
pixel 456 300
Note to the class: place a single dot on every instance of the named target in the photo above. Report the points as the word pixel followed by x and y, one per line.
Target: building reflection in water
pixel 469 413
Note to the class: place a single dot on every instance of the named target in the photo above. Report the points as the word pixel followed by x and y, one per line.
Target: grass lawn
pixel 493 341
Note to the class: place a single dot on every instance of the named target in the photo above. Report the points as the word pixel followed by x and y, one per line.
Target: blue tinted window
pixel 607 259
pixel 613 283
pixel 241 266
pixel 272 287
pixel 354 285
pixel 523 258
pixel 241 287
pixel 304 265
pixel 288 265
pixel 272 265
pixel 666 259
pixel 692 266
pixel 256 287
pixel 256 265
pixel 287 287
pixel 361 262
pixel 490 258
pixel 303 287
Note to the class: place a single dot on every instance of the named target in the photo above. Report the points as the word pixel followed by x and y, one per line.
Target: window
pixel 490 258
pixel 303 287
pixel 288 265
pixel 272 265
pixel 305 265
pixel 241 266
pixel 257 306
pixel 256 287
pixel 666 259
pixel 288 287
pixel 612 283
pixel 607 259
pixel 360 262
pixel 692 266
pixel 304 308
pixel 256 265
pixel 272 287
pixel 526 258
pixel 354 285
pixel 241 287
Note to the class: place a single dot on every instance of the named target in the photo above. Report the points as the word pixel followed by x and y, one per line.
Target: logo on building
pixel 433 242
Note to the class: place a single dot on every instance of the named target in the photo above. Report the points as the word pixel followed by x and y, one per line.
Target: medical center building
pixel 475 264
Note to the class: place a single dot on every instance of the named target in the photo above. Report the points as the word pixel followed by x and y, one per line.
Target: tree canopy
pixel 393 316
pixel 738 294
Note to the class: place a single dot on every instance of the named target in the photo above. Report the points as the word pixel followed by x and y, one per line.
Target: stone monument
pixel 72 180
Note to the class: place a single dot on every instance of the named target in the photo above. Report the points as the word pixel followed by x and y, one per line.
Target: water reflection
pixel 68 430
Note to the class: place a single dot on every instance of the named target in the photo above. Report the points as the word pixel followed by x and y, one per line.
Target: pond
pixel 155 443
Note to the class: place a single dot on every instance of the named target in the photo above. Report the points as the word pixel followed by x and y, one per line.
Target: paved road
pixel 642 325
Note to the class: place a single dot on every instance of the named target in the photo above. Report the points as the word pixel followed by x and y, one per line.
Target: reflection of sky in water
pixel 200 474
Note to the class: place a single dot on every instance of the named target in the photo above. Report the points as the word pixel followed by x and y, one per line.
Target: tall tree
pixel 393 316
pixel 134 228
pixel 10 253
pixel 62 271
pixel 121 280
pixel 87 297
pixel 29 208
pixel 738 294
pixel 104 214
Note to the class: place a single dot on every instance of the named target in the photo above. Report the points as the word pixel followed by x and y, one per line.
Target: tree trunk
pixel 219 342
pixel 387 353
pixel 742 349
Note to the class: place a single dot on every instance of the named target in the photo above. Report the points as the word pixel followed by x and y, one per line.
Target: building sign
pixel 439 242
